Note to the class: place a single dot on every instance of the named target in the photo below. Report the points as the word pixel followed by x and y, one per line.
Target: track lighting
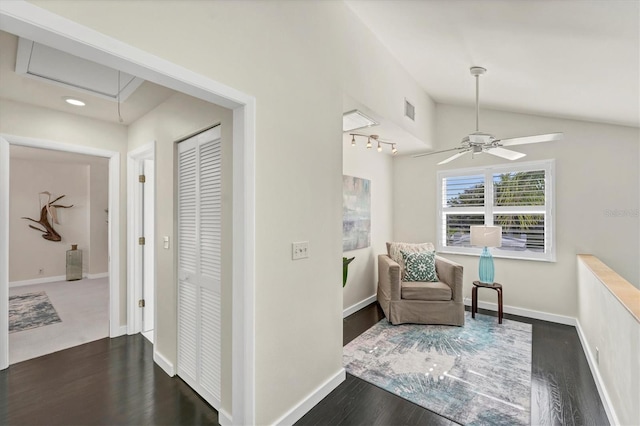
pixel 376 138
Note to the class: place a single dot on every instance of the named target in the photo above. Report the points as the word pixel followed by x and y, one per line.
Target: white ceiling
pixel 575 59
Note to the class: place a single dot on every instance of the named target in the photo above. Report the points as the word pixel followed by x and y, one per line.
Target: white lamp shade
pixel 486 236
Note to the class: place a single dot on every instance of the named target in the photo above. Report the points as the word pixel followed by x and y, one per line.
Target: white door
pixel 148 255
pixel 199 260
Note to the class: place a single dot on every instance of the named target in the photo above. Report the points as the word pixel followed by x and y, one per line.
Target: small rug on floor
pixel 31 310
pixel 476 374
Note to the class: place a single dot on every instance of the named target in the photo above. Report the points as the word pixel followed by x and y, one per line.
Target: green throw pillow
pixel 420 266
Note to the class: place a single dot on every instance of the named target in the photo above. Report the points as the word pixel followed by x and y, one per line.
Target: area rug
pixel 477 374
pixel 31 310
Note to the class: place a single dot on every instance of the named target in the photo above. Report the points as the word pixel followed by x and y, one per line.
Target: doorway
pixel 141 190
pixel 114 227
pixel 52 308
pixel 27 20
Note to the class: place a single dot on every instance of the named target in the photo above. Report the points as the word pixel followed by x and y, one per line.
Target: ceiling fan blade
pixel 436 152
pixel 505 153
pixel 453 157
pixel 531 139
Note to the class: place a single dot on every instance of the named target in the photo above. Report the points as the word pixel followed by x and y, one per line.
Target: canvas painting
pixel 356 213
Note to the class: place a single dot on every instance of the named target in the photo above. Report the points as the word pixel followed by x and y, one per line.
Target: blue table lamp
pixel 486 236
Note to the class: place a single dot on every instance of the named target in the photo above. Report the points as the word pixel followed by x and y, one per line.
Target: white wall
pixel 297 59
pixel 28 251
pixel 378 168
pixel 25 120
pixel 177 117
pixel 605 324
pixel 99 228
pixel 596 171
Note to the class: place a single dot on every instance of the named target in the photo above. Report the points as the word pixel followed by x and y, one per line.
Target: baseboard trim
pixel 42 280
pixel 122 330
pixel 100 275
pixel 164 363
pixel 304 406
pixel 529 313
pixel 224 418
pixel 355 308
pixel 595 372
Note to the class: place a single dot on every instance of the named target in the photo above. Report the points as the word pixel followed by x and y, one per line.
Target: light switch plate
pixel 300 250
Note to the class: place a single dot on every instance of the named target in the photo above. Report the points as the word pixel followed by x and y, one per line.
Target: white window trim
pixel 488 210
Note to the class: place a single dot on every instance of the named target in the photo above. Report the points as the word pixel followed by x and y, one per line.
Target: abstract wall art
pixel 356 213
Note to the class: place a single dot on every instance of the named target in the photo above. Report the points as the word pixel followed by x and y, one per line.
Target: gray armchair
pixel 421 302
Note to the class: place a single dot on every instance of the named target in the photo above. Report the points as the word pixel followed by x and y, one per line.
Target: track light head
pixel 353 140
pixel 369 143
pixel 394 151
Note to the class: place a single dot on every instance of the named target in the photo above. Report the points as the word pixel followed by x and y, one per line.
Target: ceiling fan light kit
pixel 479 142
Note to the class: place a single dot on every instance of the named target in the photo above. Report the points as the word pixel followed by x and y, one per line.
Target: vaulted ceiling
pixel 575 59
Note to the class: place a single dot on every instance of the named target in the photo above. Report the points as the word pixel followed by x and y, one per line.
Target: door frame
pixel 40 25
pixel 134 253
pixel 114 228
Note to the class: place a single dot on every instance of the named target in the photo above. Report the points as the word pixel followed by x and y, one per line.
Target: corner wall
pixel 378 168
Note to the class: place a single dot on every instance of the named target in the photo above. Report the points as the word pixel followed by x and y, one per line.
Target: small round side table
pixel 474 297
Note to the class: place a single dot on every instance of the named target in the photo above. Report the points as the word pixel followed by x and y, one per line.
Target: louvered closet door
pixel 199 263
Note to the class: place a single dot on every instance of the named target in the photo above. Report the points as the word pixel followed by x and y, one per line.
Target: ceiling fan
pixel 479 142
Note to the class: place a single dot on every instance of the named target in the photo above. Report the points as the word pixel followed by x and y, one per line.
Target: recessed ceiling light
pixel 73 101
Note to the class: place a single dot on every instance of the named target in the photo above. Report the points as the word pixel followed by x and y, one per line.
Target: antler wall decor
pixel 48 210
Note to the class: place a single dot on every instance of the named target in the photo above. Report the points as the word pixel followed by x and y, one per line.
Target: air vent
pixel 353 120
pixel 409 110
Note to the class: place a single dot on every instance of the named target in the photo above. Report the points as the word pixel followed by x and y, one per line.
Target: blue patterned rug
pixel 31 310
pixel 479 374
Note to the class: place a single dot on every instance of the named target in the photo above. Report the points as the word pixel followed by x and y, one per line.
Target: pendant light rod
pixel 477 72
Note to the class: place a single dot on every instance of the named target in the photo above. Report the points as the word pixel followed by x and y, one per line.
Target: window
pixel 518 197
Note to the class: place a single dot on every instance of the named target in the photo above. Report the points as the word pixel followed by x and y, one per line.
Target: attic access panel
pixel 47 64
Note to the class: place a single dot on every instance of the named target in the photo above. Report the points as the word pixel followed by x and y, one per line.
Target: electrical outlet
pixel 40 271
pixel 597 355
pixel 300 250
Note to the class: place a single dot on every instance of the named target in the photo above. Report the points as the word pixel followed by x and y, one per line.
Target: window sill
pixel 497 254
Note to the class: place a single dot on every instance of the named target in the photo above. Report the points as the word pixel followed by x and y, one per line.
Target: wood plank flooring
pixel 106 382
pixel 115 382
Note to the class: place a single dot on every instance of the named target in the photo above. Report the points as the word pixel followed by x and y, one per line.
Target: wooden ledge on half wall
pixel 622 289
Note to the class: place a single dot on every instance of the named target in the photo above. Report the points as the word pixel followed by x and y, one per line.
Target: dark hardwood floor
pixel 106 382
pixel 115 382
pixel 562 388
